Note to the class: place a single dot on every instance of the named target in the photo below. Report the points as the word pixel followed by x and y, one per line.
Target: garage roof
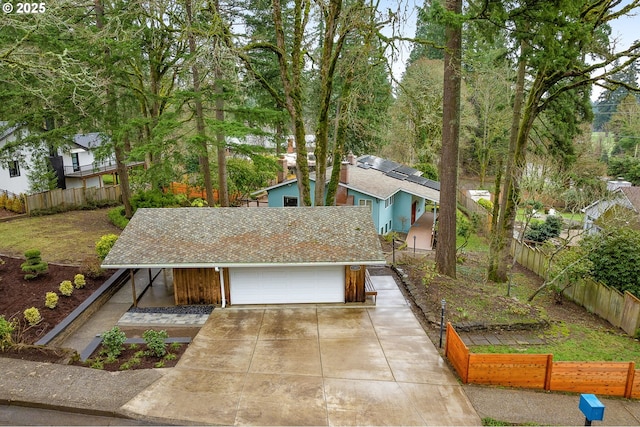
pixel 227 237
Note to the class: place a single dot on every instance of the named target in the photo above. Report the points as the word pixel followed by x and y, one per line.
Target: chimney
pixel 344 173
pixel 290 145
pixel 351 159
pixel 282 174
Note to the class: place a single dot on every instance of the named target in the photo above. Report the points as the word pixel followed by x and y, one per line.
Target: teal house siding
pixel 396 200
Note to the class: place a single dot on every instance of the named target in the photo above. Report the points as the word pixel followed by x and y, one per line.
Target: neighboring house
pixel 13 168
pixel 75 165
pixel 396 194
pixel 254 256
pixel 623 205
pixel 80 166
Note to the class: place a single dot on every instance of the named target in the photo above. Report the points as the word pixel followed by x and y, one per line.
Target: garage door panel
pixel 286 285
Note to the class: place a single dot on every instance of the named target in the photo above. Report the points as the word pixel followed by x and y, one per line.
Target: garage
pixel 286 285
pixel 239 256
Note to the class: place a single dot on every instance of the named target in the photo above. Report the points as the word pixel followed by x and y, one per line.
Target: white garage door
pixel 286 285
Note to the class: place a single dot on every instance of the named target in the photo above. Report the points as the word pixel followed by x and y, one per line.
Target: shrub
pixel 615 258
pixel 32 316
pixel 543 231
pixel 113 340
pixel 66 288
pixel 153 199
pixel 199 203
pixel 34 265
pixel 78 281
pixel 91 267
pixel 104 245
pixel 16 205
pixel 155 341
pixel 117 217
pixel 51 300
pixel 4 200
pixel 6 330
pixel 487 204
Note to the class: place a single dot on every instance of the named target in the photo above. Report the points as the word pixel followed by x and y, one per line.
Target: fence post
pixel 628 389
pixel 548 372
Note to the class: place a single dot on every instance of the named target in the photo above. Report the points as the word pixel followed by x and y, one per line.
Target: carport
pixel 254 256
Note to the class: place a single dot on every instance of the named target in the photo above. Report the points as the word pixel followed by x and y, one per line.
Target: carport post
pixel 133 287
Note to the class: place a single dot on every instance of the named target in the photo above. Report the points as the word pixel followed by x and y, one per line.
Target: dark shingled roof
pixel 224 237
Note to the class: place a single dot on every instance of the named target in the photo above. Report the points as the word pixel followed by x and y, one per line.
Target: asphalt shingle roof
pixel 223 237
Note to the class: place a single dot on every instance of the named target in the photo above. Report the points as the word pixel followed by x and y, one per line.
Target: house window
pixel 75 161
pixel 290 201
pixel 14 168
pixel 389 201
pixel 365 202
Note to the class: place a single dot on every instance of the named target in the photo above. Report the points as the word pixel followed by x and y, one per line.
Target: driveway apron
pixel 310 365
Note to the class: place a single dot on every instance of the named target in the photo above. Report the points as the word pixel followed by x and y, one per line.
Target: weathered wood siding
pixel 354 283
pixel 197 286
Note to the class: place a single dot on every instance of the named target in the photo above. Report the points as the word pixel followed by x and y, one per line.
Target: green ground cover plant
pixel 570 342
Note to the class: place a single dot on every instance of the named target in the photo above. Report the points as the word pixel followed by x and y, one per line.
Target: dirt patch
pixel 17 294
pixel 473 303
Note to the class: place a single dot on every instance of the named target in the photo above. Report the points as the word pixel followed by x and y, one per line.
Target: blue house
pixel 396 194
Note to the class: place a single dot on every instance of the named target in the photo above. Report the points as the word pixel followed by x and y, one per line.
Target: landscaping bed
pixel 18 294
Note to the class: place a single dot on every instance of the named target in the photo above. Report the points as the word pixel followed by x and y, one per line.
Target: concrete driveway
pixel 310 365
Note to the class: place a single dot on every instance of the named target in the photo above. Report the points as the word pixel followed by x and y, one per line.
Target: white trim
pixel 231 265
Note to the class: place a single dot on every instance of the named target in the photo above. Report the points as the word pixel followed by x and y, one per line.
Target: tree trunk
pixel 223 189
pixel 291 76
pixel 503 229
pixel 446 248
pixel 203 157
pixel 119 152
pixel 327 70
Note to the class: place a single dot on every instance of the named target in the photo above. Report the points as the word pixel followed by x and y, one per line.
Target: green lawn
pixel 573 342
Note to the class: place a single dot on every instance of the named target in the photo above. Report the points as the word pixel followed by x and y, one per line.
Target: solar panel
pixel 364 165
pixel 417 179
pixel 406 170
pixel 432 184
pixel 368 159
pixel 396 175
pixel 385 166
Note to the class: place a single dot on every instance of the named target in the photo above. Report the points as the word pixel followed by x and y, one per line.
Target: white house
pixel 76 164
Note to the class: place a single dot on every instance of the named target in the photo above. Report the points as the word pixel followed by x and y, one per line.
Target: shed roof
pixel 249 237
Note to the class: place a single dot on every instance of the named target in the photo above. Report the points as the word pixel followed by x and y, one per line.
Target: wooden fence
pixel 620 309
pixel 472 206
pixel 193 192
pixel 71 197
pixel 539 371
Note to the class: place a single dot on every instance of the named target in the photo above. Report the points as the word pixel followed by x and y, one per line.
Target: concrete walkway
pixel 310 365
pixel 422 231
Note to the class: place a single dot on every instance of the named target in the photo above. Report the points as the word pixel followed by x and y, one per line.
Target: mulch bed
pixel 128 354
pixel 17 294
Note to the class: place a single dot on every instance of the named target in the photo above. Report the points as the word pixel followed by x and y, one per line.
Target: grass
pixel 67 238
pixel 572 342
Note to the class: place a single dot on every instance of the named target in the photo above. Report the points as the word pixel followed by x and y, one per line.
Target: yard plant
pixel 32 316
pixel 156 342
pixel 51 300
pixel 66 288
pixel 6 330
pixel 113 340
pixel 34 265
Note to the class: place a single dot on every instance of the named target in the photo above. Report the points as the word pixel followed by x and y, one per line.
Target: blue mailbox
pixel 591 407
